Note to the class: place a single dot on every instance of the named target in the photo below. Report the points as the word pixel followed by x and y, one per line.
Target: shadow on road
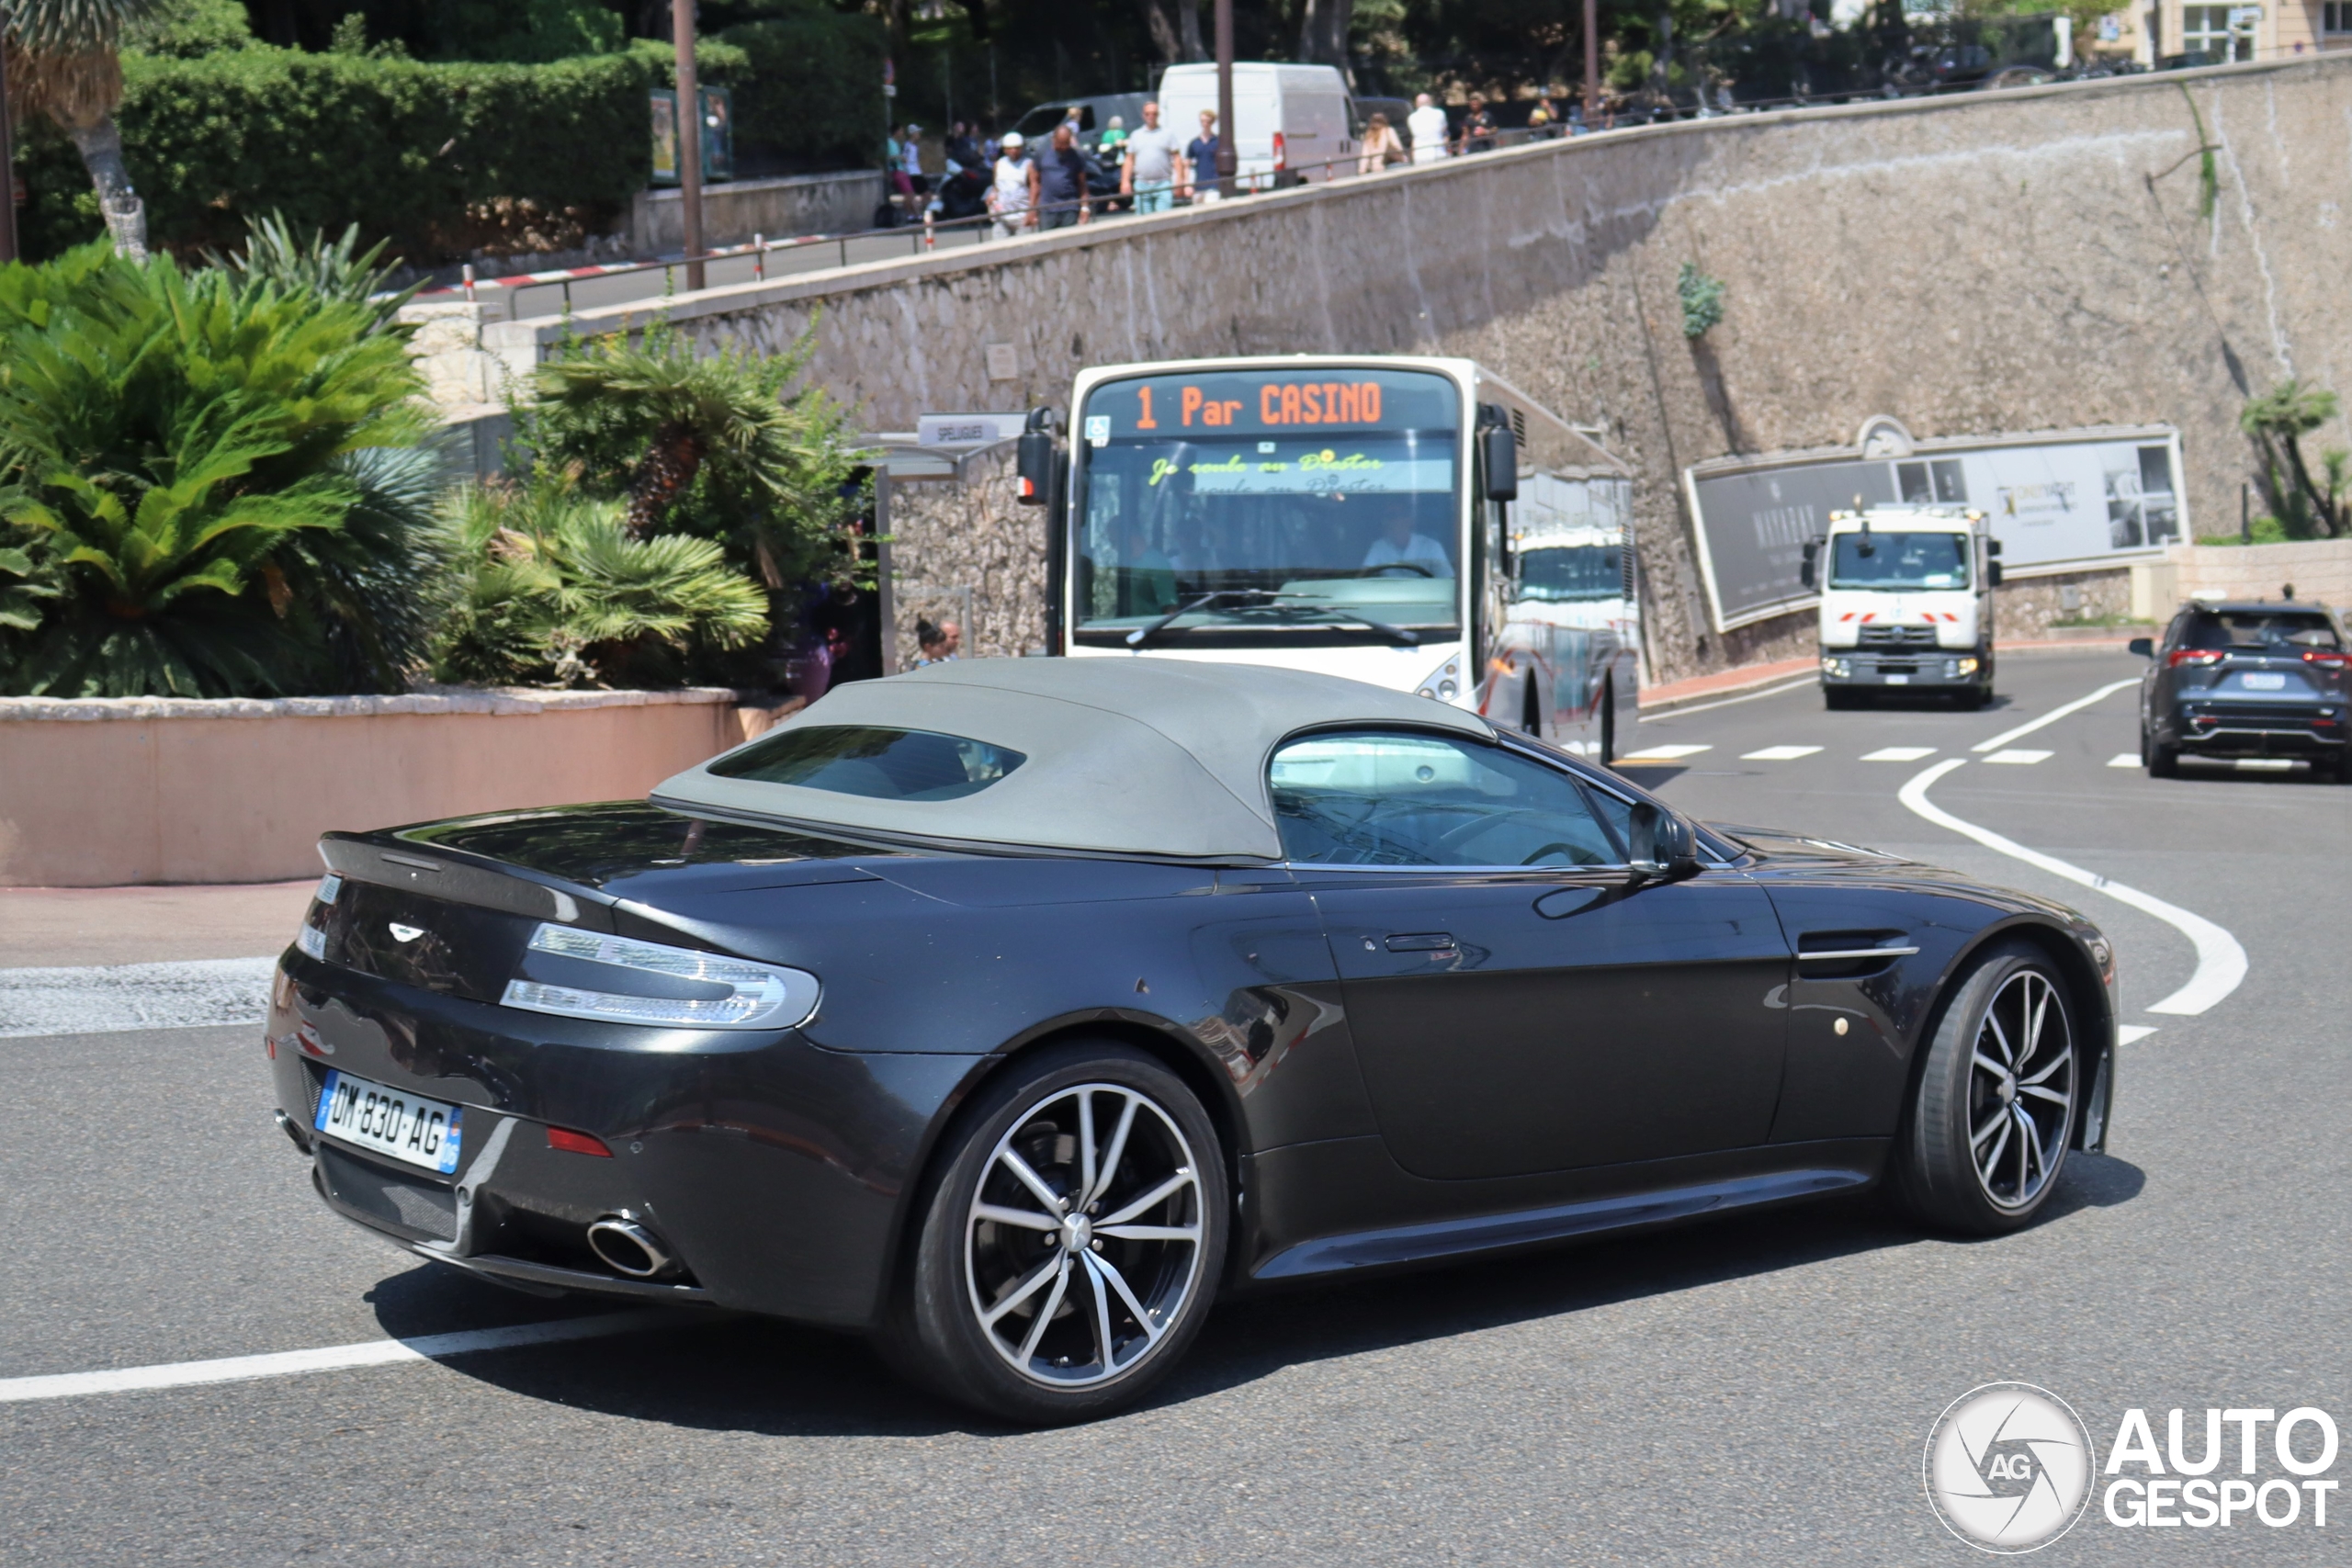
pixel 774 1379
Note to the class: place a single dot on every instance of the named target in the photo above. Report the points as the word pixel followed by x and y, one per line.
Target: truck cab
pixel 1906 603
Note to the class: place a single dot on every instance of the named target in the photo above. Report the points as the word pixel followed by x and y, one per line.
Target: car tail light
pixel 571 1143
pixel 2326 660
pixel 576 974
pixel 2181 656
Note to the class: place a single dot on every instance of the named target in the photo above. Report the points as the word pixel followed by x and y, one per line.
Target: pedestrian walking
pixel 1200 153
pixel 1012 197
pixel 1381 146
pixel 937 644
pixel 1429 131
pixel 1061 188
pixel 1478 129
pixel 1154 165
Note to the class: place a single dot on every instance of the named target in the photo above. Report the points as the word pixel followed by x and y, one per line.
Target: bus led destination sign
pixel 1160 407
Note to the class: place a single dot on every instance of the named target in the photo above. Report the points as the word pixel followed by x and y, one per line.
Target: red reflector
pixel 1028 488
pixel 577 1143
pixel 2193 656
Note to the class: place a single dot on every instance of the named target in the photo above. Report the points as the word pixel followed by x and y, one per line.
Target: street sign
pixel 967 429
pixel 2244 17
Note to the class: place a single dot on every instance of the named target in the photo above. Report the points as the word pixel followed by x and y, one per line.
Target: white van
pixel 1286 118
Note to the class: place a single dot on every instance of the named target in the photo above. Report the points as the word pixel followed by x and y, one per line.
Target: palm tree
pixel 62 62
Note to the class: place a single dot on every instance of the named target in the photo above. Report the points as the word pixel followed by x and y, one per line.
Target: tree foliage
pixel 216 487
pixel 2307 504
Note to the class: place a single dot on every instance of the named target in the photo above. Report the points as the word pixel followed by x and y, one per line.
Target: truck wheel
pixel 1836 699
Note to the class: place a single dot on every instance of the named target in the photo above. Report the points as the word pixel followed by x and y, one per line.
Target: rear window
pixel 881 764
pixel 2288 631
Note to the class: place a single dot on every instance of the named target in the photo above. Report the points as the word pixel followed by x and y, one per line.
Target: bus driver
pixel 1402 547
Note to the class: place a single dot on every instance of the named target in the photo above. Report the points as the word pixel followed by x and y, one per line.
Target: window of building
pixel 2336 18
pixel 2205 29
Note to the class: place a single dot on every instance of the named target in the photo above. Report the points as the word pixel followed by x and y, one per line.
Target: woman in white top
pixel 1381 146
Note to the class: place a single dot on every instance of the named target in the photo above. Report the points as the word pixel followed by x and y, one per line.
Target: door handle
pixel 1422 942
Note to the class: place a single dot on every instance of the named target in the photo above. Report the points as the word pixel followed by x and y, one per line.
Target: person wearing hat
pixel 1012 197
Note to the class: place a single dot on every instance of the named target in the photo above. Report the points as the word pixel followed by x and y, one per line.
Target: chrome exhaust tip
pixel 630 1248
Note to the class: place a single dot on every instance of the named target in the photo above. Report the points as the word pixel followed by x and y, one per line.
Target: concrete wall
pixel 112 792
pixel 734 211
pixel 2319 571
pixel 968 550
pixel 2028 260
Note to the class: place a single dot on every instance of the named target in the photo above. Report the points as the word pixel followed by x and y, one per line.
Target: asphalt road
pixel 1751 1390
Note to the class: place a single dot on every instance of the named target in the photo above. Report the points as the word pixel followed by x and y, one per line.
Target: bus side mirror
pixel 1499 455
pixel 1805 574
pixel 1037 457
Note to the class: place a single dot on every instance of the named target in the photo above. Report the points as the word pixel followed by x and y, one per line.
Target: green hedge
pixel 431 157
pixel 810 88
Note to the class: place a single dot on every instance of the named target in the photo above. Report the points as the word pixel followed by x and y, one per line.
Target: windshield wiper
pixel 1142 635
pixel 1397 635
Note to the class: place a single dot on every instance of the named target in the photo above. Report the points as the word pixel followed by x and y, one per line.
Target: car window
pixel 883 765
pixel 1389 798
pixel 2256 630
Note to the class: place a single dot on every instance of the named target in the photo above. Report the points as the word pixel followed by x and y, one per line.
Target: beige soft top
pixel 1143 756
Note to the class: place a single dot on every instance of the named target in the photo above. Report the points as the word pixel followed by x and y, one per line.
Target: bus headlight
pixel 1444 684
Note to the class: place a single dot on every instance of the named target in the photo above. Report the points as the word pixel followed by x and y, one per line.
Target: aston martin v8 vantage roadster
pixel 1012 1012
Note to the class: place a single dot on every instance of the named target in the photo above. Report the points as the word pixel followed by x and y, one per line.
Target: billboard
pixel 2055 503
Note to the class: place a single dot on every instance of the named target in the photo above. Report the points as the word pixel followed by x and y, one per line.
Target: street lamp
pixel 682 27
pixel 1227 163
pixel 1591 64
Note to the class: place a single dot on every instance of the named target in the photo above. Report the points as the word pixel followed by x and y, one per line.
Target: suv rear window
pixel 2253 631
pixel 882 765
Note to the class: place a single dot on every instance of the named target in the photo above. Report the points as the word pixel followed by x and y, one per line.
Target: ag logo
pixel 2008 1467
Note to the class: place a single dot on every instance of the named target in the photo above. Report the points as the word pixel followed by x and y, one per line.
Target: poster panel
pixel 2052 503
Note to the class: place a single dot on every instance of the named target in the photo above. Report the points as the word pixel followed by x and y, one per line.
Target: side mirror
pixel 1665 847
pixel 1993 546
pixel 2146 646
pixel 1498 454
pixel 1805 573
pixel 1036 459
pixel 1992 574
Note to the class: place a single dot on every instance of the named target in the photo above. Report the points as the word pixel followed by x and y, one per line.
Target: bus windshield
pixel 1262 507
pixel 1567 575
pixel 1900 561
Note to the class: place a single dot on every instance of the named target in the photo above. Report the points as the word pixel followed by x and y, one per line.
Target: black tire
pixel 934 1334
pixel 1836 699
pixel 2163 761
pixel 2342 771
pixel 2007 1040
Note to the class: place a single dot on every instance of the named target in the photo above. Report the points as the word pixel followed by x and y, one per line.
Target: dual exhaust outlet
pixel 630 1248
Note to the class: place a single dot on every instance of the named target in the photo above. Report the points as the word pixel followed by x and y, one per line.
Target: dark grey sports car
pixel 1012 1012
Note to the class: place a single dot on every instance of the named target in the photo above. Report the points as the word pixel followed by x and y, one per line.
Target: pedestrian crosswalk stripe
pixel 1664 754
pixel 2124 759
pixel 1899 754
pixel 1779 753
pixel 2020 757
pixel 2125 1033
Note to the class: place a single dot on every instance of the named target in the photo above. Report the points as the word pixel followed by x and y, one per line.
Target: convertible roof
pixel 1142 756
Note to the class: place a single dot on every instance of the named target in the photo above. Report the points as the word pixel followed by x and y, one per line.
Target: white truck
pixel 1906 603
pixel 1290 122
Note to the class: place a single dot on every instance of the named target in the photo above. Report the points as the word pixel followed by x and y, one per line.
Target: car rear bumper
pixel 2223 729
pixel 770 1169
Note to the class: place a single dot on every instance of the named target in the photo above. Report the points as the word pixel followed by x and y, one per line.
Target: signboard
pixel 2080 498
pixel 717 134
pixel 967 429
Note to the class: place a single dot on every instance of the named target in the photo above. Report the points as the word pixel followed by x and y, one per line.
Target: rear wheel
pixel 1070 1248
pixel 2161 761
pixel 1990 1122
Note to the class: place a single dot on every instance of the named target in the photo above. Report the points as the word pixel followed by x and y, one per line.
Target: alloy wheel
pixel 2020 1090
pixel 1084 1239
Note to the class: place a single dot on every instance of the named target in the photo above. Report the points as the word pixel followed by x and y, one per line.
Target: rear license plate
pixel 2255 681
pixel 1898 680
pixel 407 1128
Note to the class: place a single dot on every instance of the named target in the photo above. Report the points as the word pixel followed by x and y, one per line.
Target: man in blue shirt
pixel 1061 178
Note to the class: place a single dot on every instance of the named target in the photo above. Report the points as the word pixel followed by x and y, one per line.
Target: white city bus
pixel 1416 523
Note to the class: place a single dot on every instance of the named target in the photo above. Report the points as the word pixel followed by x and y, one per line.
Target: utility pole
pixel 7 157
pixel 1227 161
pixel 682 27
pixel 1593 64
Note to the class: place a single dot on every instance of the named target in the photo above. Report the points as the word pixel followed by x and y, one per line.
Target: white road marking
pixel 1779 753
pixel 2124 759
pixel 1801 682
pixel 2126 1034
pixel 2023 759
pixel 106 999
pixel 2221 962
pixel 1899 754
pixel 2053 716
pixel 330 1358
pixel 1663 754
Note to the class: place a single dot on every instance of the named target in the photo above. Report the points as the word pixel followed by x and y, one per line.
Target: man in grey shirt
pixel 1155 164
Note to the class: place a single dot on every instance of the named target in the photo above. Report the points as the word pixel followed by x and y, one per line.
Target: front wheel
pixel 1838 698
pixel 1993 1112
pixel 1071 1246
